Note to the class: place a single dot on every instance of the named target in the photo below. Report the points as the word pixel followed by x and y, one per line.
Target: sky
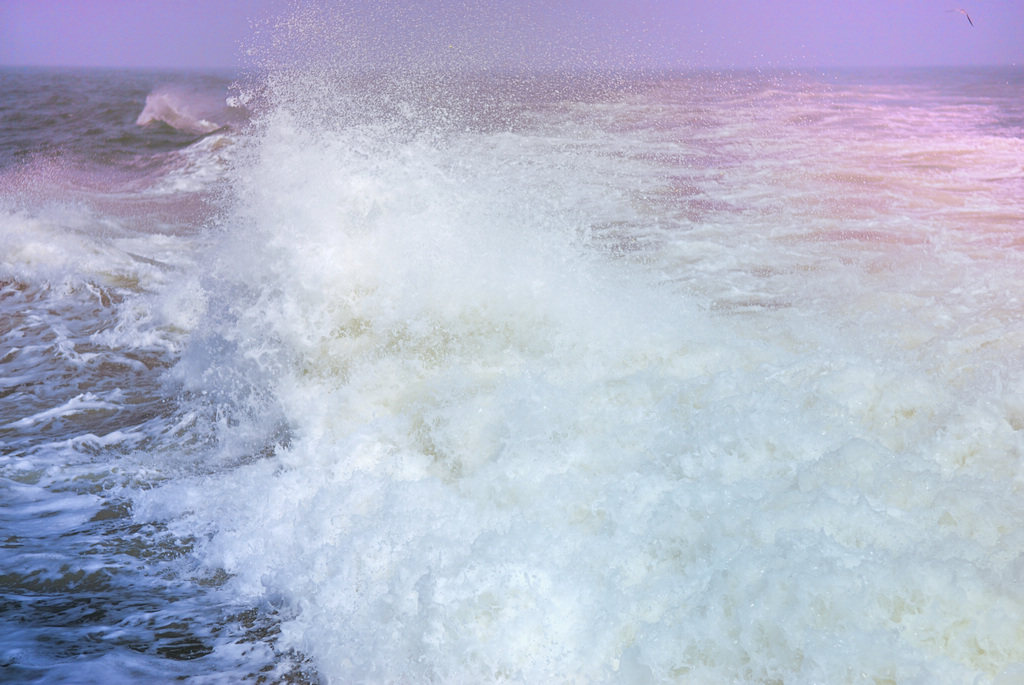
pixel 200 34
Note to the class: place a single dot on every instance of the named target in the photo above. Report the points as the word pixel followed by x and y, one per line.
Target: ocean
pixel 526 377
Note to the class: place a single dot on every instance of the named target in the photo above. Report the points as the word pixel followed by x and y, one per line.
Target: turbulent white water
pixel 713 379
pixel 689 378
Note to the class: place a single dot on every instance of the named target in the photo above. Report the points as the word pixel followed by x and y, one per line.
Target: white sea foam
pixel 603 400
pixel 197 168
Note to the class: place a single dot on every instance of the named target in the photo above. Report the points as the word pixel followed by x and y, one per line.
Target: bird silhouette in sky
pixel 965 14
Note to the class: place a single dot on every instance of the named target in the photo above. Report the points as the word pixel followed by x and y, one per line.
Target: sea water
pixel 494 376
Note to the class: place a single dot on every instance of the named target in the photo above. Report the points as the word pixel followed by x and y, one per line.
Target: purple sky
pixel 686 33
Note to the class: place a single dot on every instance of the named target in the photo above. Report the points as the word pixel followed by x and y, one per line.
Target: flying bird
pixel 965 14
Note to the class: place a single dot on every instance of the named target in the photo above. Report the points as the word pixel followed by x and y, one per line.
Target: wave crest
pixel 185 110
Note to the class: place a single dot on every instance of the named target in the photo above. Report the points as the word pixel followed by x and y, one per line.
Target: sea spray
pixel 529 430
pixel 434 373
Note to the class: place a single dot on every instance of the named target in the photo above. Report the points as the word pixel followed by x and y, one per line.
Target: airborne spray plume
pixel 580 378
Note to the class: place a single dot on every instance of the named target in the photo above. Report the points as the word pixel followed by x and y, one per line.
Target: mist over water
pixel 560 373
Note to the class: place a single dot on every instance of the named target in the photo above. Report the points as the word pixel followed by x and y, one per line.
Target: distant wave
pixel 184 110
